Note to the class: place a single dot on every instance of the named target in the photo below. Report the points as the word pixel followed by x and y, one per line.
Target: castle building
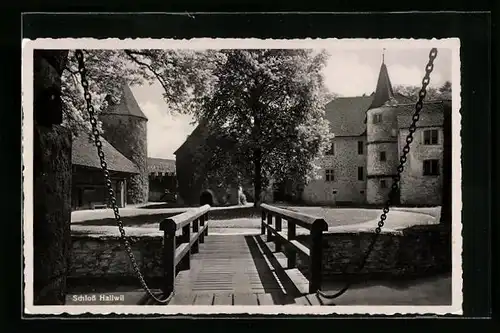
pixel 136 178
pixel 195 185
pixel 370 133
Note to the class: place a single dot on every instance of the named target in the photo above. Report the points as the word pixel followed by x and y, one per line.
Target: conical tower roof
pixel 383 93
pixel 128 105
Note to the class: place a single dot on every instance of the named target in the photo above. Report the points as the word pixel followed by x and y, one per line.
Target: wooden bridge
pixel 204 269
pixel 240 269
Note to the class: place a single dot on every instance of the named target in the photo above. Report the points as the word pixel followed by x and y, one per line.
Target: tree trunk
pixel 447 168
pixel 51 183
pixel 257 180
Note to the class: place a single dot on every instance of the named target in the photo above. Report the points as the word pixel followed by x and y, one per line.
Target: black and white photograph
pixel 242 176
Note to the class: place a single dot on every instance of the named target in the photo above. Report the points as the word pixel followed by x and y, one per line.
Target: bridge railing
pixel 314 252
pixel 177 250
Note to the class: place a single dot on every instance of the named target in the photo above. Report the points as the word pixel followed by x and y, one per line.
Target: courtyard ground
pixel 246 219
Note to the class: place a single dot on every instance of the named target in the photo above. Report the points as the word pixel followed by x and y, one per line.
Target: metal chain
pixel 397 177
pixel 109 185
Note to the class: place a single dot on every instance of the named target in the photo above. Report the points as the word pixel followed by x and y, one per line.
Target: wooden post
pixel 278 229
pixel 194 248
pixel 206 218
pixel 202 223
pixel 269 222
pixel 169 270
pixel 185 262
pixel 262 223
pixel 316 258
pixel 291 254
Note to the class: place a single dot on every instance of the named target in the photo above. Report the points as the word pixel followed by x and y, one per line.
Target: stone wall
pixel 51 183
pixel 102 259
pixel 415 251
pixel 345 164
pixel 128 134
pixel 417 189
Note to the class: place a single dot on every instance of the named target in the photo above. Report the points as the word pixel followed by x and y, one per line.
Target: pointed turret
pixel 125 127
pixel 127 106
pixel 383 92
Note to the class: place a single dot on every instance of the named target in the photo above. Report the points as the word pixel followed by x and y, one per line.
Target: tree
pixel 184 75
pixel 268 109
pixel 443 92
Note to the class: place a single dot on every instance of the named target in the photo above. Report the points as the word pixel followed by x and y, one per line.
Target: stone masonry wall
pixel 128 134
pixel 345 164
pixel 51 182
pixel 417 189
pixel 103 258
pixel 416 251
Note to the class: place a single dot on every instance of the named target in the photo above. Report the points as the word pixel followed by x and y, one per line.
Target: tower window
pixel 360 147
pixel 382 156
pixel 431 167
pixel 377 118
pixel 360 173
pixel 431 137
pixel 331 151
pixel 329 175
pixel 383 183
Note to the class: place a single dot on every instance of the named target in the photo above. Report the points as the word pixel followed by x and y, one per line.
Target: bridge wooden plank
pixel 302 248
pixel 313 299
pixel 204 299
pixel 223 299
pixel 180 252
pixel 236 270
pixel 265 299
pixel 302 301
pixel 182 299
pixel 245 299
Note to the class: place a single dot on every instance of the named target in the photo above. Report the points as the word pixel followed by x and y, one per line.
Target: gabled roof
pixel 432 114
pixel 128 105
pixel 160 165
pixel 84 153
pixel 194 134
pixel 347 115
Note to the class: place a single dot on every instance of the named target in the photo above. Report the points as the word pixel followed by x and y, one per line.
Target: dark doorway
pixel 206 198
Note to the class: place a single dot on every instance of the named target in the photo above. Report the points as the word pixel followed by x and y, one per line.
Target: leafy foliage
pixel 267 113
pixel 185 76
pixel 443 92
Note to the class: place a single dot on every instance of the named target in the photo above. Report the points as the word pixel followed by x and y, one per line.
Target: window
pixel 377 118
pixel 360 173
pixel 331 151
pixel 431 137
pixel 329 175
pixel 360 147
pixel 382 156
pixel 383 183
pixel 431 167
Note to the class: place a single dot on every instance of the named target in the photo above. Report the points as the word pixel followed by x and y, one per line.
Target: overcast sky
pixel 348 73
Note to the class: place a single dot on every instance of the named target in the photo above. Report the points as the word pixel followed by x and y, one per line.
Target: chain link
pixel 397 178
pixel 109 185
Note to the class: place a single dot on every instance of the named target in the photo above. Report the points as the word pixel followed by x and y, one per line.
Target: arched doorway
pixel 207 198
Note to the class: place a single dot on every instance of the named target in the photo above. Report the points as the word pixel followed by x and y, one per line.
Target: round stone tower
pixel 125 127
pixel 382 141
